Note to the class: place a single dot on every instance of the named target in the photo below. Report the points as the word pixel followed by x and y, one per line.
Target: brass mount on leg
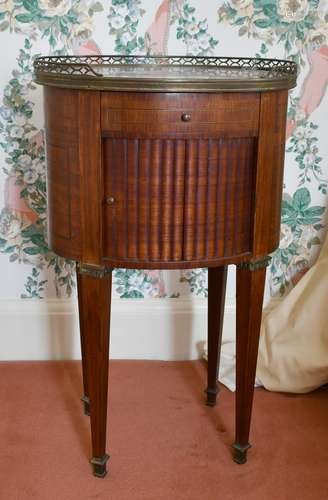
pixel 93 270
pixel 255 265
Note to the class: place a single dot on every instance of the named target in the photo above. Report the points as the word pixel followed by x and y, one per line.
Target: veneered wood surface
pixel 63 171
pixel 249 295
pixel 269 172
pixel 160 114
pixel 91 177
pixel 83 325
pixel 187 194
pixel 217 280
pixel 131 183
pixel 177 200
pixel 94 311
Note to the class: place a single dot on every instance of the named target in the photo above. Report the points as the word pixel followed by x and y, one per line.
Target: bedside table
pixel 166 163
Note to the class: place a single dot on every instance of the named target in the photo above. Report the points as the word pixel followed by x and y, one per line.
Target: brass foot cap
pixel 240 452
pixel 99 465
pixel 211 396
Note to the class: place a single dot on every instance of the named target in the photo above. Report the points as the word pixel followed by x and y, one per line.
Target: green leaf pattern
pixel 123 21
pixel 294 26
pixel 63 23
pixel 193 32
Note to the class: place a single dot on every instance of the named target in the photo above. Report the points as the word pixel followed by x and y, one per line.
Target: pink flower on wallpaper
pixel 15 203
pixel 289 127
pixel 89 48
pixel 315 85
pixel 38 140
pixel 158 29
pixel 158 285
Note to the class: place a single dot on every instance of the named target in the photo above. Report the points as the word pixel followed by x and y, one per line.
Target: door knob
pixel 110 200
pixel 186 117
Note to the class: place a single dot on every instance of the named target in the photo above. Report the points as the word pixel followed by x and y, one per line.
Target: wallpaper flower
pixel 295 29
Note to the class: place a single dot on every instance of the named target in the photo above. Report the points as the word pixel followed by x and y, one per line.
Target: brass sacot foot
pixel 240 452
pixel 99 465
pixel 211 396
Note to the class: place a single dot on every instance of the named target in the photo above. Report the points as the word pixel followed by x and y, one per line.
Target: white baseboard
pixel 166 329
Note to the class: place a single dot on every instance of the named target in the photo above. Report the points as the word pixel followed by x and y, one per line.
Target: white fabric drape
pixel 293 349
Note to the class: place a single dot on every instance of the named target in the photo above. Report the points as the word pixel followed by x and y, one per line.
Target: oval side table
pixel 166 163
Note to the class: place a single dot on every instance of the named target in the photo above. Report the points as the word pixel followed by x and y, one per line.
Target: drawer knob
pixel 110 200
pixel 186 117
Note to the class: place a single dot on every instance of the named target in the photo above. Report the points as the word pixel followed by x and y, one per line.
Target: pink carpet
pixel 165 444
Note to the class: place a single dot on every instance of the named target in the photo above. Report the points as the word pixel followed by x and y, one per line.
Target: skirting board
pixel 165 329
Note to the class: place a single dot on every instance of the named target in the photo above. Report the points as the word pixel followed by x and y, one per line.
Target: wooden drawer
pixel 158 115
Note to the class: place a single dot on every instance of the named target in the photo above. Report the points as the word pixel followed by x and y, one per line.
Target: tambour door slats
pixel 182 199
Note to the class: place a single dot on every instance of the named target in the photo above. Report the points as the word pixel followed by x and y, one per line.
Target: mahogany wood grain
pixel 182 264
pixel 269 172
pixel 166 181
pixel 159 114
pixel 250 290
pixel 83 338
pixel 94 310
pixel 195 201
pixel 91 177
pixel 217 279
pixel 63 174
pixel 226 190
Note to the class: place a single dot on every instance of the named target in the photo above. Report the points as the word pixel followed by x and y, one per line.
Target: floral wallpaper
pixel 295 29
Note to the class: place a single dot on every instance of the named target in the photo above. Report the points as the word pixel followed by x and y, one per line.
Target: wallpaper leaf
pixel 287 28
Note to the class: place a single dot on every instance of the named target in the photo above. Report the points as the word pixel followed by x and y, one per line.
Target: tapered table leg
pixel 94 305
pixel 250 289
pixel 217 279
pixel 85 398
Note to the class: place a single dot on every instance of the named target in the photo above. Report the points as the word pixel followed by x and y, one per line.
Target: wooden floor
pixel 165 444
